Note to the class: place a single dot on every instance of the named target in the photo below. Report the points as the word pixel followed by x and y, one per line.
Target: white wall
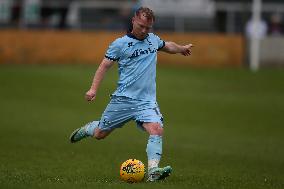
pixel 272 51
pixel 200 8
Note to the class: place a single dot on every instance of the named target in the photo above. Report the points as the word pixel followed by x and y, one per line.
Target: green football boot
pixel 78 134
pixel 157 173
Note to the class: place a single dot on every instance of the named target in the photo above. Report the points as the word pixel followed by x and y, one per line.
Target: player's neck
pixel 132 35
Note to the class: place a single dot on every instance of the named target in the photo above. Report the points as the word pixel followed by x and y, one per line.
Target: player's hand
pixel 187 50
pixel 90 95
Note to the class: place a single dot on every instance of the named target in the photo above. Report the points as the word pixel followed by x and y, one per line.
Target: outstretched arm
pixel 100 73
pixel 173 48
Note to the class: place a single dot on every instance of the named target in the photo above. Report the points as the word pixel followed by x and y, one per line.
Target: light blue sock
pixel 154 150
pixel 90 127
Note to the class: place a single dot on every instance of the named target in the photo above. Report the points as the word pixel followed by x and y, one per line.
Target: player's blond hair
pixel 146 12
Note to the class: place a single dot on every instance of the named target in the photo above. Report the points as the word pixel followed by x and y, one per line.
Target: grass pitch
pixel 224 128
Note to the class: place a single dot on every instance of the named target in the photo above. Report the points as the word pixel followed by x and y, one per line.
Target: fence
pixel 89 47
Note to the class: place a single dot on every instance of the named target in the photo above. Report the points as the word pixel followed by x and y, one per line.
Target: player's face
pixel 141 26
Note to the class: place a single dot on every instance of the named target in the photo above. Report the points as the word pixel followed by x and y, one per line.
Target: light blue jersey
pixel 137 61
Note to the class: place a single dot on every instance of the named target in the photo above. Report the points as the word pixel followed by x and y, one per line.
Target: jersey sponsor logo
pixel 139 52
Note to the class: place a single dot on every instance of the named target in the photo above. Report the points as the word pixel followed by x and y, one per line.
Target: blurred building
pixel 172 15
pixel 232 16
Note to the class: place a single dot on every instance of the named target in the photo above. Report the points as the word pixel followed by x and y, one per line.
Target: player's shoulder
pixel 153 35
pixel 117 41
pixel 121 39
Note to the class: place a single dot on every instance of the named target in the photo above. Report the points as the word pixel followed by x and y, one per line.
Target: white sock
pixel 154 150
pixel 90 127
pixel 153 163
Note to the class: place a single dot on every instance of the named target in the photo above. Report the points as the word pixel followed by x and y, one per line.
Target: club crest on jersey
pixel 149 42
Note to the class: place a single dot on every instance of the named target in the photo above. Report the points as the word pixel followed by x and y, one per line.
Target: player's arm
pixel 99 75
pixel 173 48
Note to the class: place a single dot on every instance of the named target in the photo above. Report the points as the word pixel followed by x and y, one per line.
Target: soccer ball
pixel 132 170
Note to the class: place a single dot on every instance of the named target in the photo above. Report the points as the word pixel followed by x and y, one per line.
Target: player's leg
pixel 154 152
pixel 101 134
pixel 89 130
pixel 113 117
pixel 151 120
pixel 154 145
pixel 84 132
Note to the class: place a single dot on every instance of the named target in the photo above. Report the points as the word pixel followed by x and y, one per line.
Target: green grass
pixel 224 128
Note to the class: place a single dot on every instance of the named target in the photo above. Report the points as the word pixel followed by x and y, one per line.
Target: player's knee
pixel 156 129
pixel 100 135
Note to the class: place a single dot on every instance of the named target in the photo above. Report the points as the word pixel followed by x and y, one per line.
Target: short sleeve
pixel 113 52
pixel 161 43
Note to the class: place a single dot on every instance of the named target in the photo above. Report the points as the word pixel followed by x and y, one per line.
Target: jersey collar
pixel 133 36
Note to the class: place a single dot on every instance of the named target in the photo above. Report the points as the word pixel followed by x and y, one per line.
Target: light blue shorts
pixel 121 110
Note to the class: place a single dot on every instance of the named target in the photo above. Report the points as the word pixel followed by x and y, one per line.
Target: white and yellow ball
pixel 132 170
